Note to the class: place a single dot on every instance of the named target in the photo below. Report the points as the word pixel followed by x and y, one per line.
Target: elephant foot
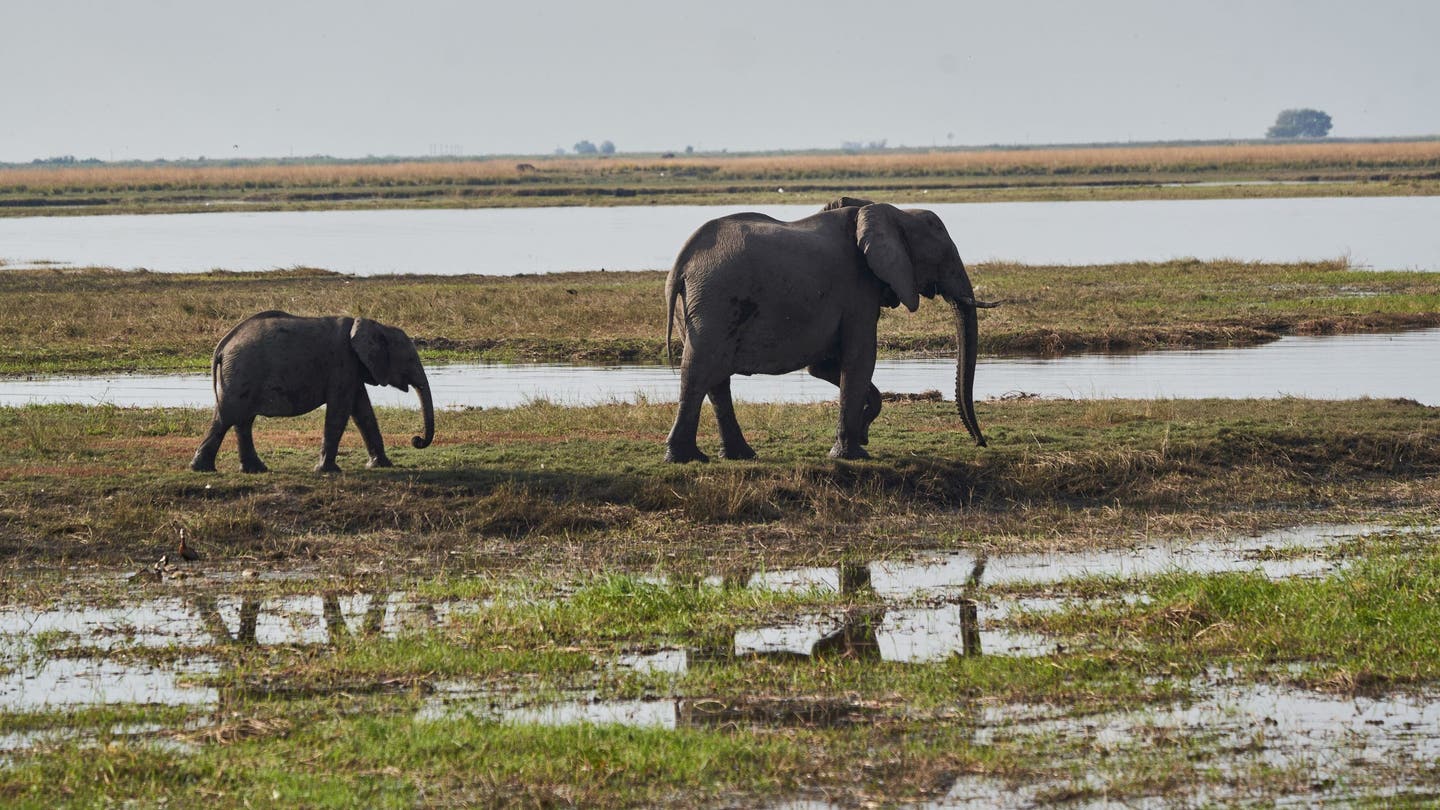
pixel 742 453
pixel 853 452
pixel 379 461
pixel 327 467
pixel 684 456
pixel 256 466
pixel 198 465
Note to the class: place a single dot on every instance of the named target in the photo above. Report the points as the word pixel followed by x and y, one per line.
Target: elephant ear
pixel 371 344
pixel 846 202
pixel 877 232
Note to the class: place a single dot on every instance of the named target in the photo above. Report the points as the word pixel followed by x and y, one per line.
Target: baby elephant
pixel 278 364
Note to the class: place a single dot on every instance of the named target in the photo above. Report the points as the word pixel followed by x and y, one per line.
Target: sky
pixel 147 79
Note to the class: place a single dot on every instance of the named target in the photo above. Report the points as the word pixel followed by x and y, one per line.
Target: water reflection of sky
pixel 1389 233
pixel 1332 367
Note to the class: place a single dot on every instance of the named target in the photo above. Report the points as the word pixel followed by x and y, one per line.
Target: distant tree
pixel 689 150
pixel 607 148
pixel 1302 123
pixel 585 148
pixel 559 150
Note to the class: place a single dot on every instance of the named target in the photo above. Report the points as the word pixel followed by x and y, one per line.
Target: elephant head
pixel 389 358
pixel 912 254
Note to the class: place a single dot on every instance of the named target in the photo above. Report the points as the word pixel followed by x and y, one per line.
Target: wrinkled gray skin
pixel 760 296
pixel 277 364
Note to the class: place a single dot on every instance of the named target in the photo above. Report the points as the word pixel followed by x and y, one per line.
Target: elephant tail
pixel 674 288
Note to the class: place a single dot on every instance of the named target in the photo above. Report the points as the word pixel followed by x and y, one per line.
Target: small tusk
pixel 980 304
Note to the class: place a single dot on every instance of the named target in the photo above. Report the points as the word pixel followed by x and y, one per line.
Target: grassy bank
pixel 939 175
pixel 585 488
pixel 58 320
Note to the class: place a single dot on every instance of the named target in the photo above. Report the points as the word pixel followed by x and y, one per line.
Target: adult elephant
pixel 761 296
pixel 278 364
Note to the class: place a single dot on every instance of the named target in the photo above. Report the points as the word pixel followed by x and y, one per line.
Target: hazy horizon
pixel 153 79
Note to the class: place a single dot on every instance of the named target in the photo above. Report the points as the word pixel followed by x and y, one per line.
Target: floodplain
pixel 1155 600
pixel 1207 601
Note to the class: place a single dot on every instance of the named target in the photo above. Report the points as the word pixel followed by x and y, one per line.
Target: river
pixel 1387 233
pixel 1335 367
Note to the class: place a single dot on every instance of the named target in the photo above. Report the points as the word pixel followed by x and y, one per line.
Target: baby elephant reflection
pixel 277 364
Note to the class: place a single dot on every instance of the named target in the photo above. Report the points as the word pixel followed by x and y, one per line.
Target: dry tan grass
pixel 499 170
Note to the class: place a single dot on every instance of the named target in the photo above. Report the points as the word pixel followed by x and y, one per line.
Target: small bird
pixel 187 553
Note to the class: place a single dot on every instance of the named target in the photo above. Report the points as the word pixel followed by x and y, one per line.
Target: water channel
pixel 1386 233
pixel 1332 367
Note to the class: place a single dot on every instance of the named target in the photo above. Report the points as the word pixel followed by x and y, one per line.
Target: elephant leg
pixel 244 436
pixel 204 460
pixel 856 369
pixel 829 371
pixel 364 417
pixel 732 441
pixel 680 446
pixel 336 415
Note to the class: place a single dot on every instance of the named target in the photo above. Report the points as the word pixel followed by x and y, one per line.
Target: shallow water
pixel 934 607
pixel 1285 553
pixel 1391 233
pixel 1330 367
pixel 53 683
pixel 1337 739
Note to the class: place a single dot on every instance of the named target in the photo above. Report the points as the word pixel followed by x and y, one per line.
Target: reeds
pixel 981 162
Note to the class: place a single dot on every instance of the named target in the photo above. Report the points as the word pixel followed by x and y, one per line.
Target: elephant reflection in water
pixel 406 616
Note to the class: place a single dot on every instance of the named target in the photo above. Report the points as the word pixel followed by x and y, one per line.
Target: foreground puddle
pixel 60 683
pixel 203 620
pixel 460 700
pixel 934 606
pixel 1294 552
pixel 1232 734
pixel 1236 731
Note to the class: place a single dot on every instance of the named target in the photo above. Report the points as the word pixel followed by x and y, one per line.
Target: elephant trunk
pixel 427 405
pixel 967 342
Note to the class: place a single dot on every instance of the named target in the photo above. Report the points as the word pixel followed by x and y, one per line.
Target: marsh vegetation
pixel 90 319
pixel 941 175
pixel 525 611
pixel 537 610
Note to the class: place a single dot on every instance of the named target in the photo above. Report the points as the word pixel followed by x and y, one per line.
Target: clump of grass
pixel 1373 624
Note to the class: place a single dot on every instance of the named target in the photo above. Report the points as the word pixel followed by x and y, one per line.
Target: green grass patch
pixel 60 320
pixel 1375 624
pixel 587 489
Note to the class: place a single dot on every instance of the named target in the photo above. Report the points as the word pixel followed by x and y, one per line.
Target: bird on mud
pixel 186 551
